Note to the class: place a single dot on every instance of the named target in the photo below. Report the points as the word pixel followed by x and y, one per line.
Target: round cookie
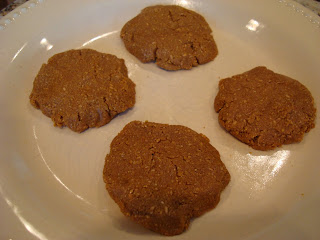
pixel 82 88
pixel 264 109
pixel 163 175
pixel 172 36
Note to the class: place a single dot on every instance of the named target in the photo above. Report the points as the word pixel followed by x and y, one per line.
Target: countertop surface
pixel 313 5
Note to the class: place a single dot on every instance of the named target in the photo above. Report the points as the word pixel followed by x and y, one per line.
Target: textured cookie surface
pixel 264 109
pixel 163 175
pixel 82 88
pixel 172 36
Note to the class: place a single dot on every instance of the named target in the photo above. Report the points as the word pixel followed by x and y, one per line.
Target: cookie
pixel 82 89
pixel 163 175
pixel 172 36
pixel 265 109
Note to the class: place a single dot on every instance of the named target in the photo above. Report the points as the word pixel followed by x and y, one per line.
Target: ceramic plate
pixel 51 179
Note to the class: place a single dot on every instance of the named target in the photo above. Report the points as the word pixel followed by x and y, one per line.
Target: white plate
pixel 51 179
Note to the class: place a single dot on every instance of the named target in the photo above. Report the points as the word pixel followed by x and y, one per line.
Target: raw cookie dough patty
pixel 163 175
pixel 174 37
pixel 264 109
pixel 82 88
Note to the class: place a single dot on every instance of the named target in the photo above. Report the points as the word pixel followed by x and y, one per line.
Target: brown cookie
pixel 264 109
pixel 163 175
pixel 174 37
pixel 82 88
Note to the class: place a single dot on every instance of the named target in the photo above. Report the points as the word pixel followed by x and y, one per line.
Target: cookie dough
pixel 265 109
pixel 172 36
pixel 163 175
pixel 82 89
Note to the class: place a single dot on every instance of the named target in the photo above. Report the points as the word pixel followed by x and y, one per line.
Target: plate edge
pixel 18 12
